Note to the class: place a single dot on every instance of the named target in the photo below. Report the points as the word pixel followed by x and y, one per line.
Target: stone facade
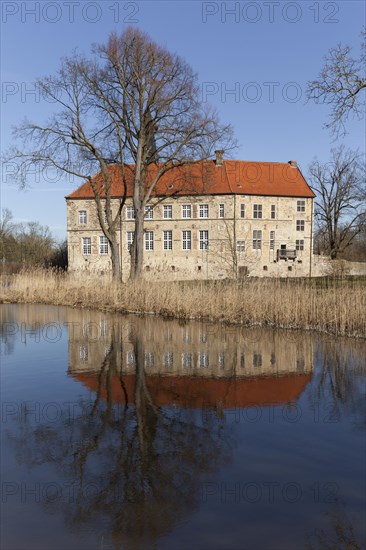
pixel 207 235
pixel 281 249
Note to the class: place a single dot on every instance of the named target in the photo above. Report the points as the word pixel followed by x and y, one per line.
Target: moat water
pixel 121 432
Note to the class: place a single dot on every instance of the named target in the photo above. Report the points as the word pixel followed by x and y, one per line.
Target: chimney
pixel 219 160
pixel 293 163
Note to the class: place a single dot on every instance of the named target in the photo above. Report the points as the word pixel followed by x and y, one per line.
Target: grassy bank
pixel 335 306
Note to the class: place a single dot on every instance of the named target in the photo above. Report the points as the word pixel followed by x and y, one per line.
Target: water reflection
pixel 136 445
pixel 192 365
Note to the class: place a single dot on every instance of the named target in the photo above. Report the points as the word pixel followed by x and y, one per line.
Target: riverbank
pixel 334 306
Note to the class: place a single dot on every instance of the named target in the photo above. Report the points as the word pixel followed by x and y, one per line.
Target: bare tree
pixel 133 104
pixel 340 208
pixel 341 84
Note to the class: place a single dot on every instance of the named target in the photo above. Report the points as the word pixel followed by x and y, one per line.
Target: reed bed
pixel 334 306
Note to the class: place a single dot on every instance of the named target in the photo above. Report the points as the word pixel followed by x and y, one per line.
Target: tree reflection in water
pixel 338 385
pixel 139 467
pixel 340 536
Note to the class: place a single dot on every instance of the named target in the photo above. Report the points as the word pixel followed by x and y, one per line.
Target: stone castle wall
pixel 230 250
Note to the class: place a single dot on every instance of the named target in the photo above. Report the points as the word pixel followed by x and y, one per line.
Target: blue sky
pixel 253 60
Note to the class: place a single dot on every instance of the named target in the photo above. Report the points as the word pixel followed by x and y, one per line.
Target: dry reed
pixel 337 307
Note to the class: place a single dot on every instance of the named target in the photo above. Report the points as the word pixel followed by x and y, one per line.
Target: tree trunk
pixel 115 257
pixel 137 256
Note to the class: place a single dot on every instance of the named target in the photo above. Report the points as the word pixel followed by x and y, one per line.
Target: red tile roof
pixel 205 178
pixel 197 392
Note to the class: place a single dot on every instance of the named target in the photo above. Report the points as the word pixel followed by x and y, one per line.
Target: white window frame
pixel 242 210
pixel 86 246
pixel 203 211
pixel 203 360
pixel 300 225
pixel 272 239
pixel 221 210
pixel 168 359
pixel 240 246
pixel 187 239
pixel 168 239
pixel 186 211
pixel 300 244
pixel 130 213
pixel 167 211
pixel 130 235
pixel 84 354
pixel 149 241
pixel 204 240
pixel 130 358
pixel 103 245
pixel 149 212
pixel 187 359
pixel 149 359
pixel 257 239
pixel 300 206
pixel 83 215
pixel 257 211
pixel 273 211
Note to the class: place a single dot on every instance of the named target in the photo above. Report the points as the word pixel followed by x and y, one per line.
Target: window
pixel 103 327
pixel 103 245
pixel 257 360
pixel 300 225
pixel 130 213
pixel 168 240
pixel 168 359
pixel 272 236
pixel 301 206
pixel 300 244
pixel 240 246
pixel 187 360
pixel 186 240
pixel 149 212
pixel 149 359
pixel 186 211
pixel 105 215
pixel 221 211
pixel 130 237
pixel 257 239
pixel 86 246
pixel 203 210
pixel 222 360
pixel 203 240
pixel 149 240
pixel 203 360
pixel 130 358
pixel 273 211
pixel 242 210
pixel 168 212
pixel 257 211
pixel 83 353
pixel 82 217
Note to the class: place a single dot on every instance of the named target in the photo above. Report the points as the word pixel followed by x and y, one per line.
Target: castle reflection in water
pixel 188 364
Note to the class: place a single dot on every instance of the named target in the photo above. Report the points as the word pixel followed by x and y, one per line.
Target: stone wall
pixel 231 249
